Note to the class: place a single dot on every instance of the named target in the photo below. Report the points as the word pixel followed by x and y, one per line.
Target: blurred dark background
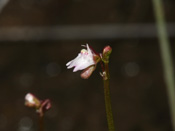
pixel 37 39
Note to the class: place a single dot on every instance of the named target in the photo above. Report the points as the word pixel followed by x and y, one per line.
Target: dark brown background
pixel 138 89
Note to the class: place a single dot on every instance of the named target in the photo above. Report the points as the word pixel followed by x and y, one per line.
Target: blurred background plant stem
pixel 166 56
pixel 41 123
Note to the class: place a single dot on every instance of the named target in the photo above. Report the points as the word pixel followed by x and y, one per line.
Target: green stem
pixel 166 56
pixel 108 99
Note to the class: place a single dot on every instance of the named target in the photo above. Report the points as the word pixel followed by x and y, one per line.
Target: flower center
pixel 84 52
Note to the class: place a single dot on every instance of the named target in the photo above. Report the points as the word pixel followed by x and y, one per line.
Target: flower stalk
pixel 106 77
pixel 41 123
pixel 109 114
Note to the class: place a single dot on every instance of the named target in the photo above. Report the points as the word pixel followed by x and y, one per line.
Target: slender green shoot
pixel 166 56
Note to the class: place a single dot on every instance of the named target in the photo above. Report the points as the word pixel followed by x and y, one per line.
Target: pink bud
pixel 45 106
pixel 107 50
pixel 106 53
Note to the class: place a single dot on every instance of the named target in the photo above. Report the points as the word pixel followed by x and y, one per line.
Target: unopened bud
pixel 106 53
pixel 45 106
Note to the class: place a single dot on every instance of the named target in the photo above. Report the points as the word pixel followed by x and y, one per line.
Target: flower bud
pixel 106 53
pixel 45 106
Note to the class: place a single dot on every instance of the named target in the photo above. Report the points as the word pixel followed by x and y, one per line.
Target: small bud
pixel 45 106
pixel 106 53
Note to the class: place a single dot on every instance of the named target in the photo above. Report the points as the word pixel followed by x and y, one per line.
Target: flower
pixel 32 101
pixel 84 59
pixel 40 105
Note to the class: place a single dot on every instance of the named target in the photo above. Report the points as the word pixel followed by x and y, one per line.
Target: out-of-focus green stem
pixel 166 56
pixel 108 99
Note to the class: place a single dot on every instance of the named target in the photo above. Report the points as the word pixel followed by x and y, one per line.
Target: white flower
pixel 29 98
pixel 84 59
